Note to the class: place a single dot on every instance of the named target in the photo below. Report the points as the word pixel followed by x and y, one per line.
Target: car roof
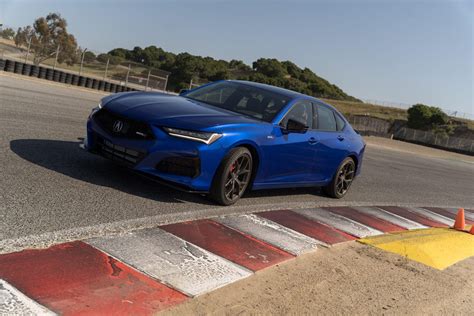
pixel 285 92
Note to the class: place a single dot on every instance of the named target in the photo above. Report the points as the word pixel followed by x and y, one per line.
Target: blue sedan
pixel 227 137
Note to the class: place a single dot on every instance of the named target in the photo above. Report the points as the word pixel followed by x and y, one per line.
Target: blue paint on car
pixel 183 139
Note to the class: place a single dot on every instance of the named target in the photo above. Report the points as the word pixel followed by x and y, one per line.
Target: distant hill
pixel 185 67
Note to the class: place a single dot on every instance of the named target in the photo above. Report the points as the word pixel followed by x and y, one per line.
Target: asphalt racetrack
pixel 50 188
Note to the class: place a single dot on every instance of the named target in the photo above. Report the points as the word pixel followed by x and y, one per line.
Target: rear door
pixel 332 147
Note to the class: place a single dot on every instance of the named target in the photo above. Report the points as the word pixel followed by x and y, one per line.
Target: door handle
pixel 340 137
pixel 312 140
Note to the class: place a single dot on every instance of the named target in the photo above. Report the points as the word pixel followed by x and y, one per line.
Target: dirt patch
pixel 348 278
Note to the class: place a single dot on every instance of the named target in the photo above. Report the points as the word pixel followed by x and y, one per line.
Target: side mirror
pixel 183 91
pixel 293 126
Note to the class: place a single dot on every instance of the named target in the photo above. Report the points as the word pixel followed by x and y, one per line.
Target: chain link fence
pixel 371 126
pixel 438 140
pixel 98 66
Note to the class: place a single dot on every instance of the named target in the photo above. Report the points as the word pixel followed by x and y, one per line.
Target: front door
pixel 291 155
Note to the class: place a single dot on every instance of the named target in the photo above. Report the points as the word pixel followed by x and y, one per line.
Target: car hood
pixel 172 111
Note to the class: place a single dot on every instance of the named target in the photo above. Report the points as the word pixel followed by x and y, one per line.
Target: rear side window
pixel 326 119
pixel 339 122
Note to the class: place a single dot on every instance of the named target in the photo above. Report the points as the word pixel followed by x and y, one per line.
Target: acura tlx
pixel 227 137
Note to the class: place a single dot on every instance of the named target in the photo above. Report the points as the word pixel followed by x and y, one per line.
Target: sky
pixel 401 51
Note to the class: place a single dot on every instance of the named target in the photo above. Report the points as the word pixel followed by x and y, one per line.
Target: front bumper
pixel 183 164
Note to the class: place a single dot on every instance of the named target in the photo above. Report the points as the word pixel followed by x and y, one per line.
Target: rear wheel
pixel 232 177
pixel 342 180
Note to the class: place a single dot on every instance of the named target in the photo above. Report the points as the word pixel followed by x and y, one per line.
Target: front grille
pixel 109 122
pixel 181 166
pixel 115 152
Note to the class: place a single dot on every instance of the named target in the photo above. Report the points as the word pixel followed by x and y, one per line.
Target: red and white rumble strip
pixel 149 270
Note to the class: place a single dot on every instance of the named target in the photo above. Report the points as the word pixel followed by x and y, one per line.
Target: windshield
pixel 241 98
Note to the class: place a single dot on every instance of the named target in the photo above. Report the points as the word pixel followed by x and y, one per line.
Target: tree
pixel 7 33
pixel 422 116
pixel 23 35
pixel 89 57
pixel 269 67
pixel 47 34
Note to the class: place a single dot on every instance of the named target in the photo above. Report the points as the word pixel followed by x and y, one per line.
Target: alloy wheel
pixel 238 177
pixel 344 178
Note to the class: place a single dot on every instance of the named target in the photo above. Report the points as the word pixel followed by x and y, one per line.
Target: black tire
pixel 232 177
pixel 342 180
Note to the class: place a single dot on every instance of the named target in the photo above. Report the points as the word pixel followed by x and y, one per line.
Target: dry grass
pixel 357 108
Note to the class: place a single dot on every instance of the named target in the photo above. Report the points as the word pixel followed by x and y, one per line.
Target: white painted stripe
pixel 271 232
pixel 339 222
pixel 454 211
pixel 172 260
pixel 431 215
pixel 389 217
pixel 13 302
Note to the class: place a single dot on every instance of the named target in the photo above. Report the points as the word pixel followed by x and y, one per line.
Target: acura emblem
pixel 118 125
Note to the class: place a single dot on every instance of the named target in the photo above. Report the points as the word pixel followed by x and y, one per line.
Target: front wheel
pixel 232 177
pixel 342 180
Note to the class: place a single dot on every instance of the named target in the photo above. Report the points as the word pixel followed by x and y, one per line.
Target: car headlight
pixel 94 110
pixel 204 137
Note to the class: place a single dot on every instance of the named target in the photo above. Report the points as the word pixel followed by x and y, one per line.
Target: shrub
pixel 422 116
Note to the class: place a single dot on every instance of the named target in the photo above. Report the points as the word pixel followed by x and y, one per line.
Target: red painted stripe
pixel 306 226
pixel 446 213
pixel 77 279
pixel 400 211
pixel 365 219
pixel 228 243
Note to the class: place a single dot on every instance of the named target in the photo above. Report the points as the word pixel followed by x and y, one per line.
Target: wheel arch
pixel 354 157
pixel 256 157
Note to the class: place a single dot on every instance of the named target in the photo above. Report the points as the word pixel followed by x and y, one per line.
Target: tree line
pixel 185 67
pixel 48 37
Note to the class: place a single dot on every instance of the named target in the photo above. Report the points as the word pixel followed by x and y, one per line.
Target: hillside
pixel 185 67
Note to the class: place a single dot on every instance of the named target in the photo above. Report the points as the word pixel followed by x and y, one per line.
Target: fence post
pixel 436 138
pixel 148 79
pixel 56 58
pixel 128 73
pixel 28 51
pixel 191 84
pixel 166 83
pixel 106 68
pixel 472 143
pixel 82 61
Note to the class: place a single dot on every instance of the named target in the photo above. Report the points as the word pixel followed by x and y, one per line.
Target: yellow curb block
pixel 435 247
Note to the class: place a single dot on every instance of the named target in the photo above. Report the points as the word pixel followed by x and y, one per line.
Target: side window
pixel 326 119
pixel 301 112
pixel 340 122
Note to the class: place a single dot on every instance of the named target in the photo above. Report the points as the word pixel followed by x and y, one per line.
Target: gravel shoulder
pixel 349 278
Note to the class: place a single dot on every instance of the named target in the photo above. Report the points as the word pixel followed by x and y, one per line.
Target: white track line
pixel 389 217
pixel 454 211
pixel 271 232
pixel 431 215
pixel 171 260
pixel 339 222
pixel 13 302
